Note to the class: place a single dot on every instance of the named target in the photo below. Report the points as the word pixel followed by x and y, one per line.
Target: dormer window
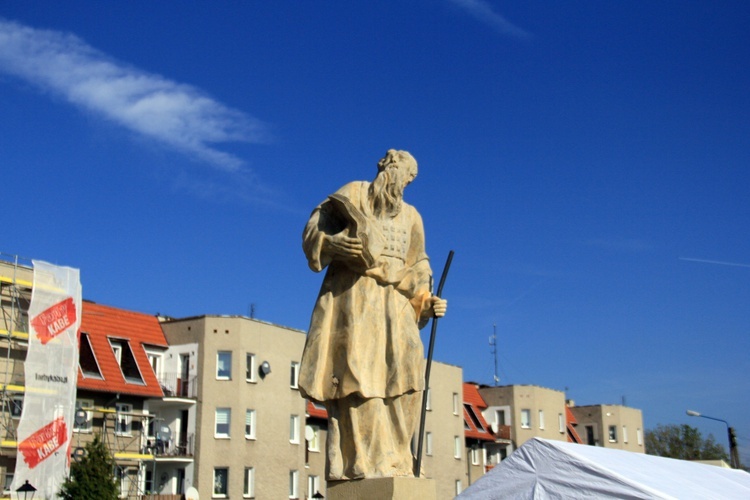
pixel 125 358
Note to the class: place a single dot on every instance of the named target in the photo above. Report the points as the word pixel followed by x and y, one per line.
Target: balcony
pixel 175 386
pixel 502 432
pixel 180 450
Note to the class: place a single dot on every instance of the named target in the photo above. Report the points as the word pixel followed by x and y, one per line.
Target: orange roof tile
pixel 316 412
pixel 476 403
pixel 102 322
pixel 573 436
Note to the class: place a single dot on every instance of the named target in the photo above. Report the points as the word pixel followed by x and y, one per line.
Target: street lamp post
pixel 27 490
pixel 734 455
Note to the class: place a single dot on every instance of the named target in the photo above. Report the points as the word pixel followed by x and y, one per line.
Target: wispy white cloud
pixel 720 262
pixel 483 11
pixel 174 114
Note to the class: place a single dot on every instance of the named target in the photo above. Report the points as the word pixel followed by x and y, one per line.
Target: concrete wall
pixel 445 425
pixel 270 452
pixel 626 423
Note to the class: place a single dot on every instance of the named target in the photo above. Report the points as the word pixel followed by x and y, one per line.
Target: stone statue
pixel 363 358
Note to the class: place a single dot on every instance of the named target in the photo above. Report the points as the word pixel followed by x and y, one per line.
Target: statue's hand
pixel 439 306
pixel 342 245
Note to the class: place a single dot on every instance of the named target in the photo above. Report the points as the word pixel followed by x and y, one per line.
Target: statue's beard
pixel 386 194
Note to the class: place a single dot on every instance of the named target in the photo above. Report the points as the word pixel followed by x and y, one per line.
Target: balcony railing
pixel 174 385
pixel 503 432
pixel 183 447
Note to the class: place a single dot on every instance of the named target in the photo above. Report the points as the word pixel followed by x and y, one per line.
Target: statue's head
pixel 396 170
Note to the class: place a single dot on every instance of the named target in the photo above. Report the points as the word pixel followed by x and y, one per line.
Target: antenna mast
pixel 493 345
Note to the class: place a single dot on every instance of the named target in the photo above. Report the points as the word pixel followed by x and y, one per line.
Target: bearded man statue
pixel 363 357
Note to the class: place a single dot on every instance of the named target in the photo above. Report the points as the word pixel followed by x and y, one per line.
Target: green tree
pixel 683 442
pixel 92 478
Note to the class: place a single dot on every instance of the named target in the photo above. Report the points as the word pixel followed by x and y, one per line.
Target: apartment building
pixel 250 417
pixel 610 426
pixel 121 396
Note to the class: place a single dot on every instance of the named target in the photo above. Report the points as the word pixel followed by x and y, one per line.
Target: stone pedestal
pixel 382 488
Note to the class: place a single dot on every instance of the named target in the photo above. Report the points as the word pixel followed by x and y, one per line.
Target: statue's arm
pixel 325 239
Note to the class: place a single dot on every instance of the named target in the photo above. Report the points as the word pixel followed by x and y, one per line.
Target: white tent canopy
pixel 543 469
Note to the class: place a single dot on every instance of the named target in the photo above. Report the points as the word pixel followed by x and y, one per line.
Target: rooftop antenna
pixel 493 345
pixel 252 311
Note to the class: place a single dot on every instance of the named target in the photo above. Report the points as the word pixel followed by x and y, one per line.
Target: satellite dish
pixel 191 494
pixel 309 433
pixel 79 453
pixel 81 417
pixel 164 433
pixel 265 368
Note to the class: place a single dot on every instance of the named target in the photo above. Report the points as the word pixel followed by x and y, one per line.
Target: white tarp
pixel 542 469
pixel 46 425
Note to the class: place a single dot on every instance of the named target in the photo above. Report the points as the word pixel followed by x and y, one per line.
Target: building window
pixel 624 434
pixel 526 419
pixel 500 417
pixel 459 488
pixel 590 435
pixel 639 436
pixel 221 482
pixel 126 360
pixel 612 433
pixel 148 483
pixel 250 367
pixel 15 406
pixel 428 402
pixel 155 360
pixel 123 419
pixel 82 419
pixel 313 486
pixel 248 490
pixel 561 423
pixel 474 418
pixel 541 419
pixel 293 484
pixel 455 403
pixel 456 447
pixel 250 424
pixel 223 420
pixel 428 444
pixel 294 375
pixel 8 481
pixel 313 444
pixel 224 365
pixel 87 359
pixel 294 429
pixel 475 456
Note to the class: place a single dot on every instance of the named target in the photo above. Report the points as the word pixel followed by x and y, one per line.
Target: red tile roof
pixel 316 412
pixel 476 403
pixel 573 436
pixel 102 322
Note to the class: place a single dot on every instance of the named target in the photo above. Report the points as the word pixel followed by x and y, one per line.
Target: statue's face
pixel 406 172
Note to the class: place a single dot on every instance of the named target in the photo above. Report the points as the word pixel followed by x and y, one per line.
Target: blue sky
pixel 587 161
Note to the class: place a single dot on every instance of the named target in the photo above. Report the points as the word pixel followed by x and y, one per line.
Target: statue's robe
pixel 363 357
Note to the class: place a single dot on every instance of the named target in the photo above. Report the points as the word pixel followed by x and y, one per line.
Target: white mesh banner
pixel 51 369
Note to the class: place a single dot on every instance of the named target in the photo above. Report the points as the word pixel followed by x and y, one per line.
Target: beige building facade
pixel 611 426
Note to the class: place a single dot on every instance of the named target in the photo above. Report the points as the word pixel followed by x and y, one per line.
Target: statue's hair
pixel 395 170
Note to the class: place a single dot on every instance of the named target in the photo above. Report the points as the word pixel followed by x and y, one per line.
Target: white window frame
pixel 248 490
pixel 313 485
pixel 228 413
pixel 126 419
pixel 456 405
pixel 525 419
pixel 314 443
pixel 7 481
pixel 428 444
pixel 16 406
pixel 541 419
pixel 459 487
pixel 428 398
pixel 250 421
pixel 474 456
pixel 251 371
pixel 218 365
pixel 116 350
pixel 624 434
pixel 87 428
pixel 294 429
pixel 561 423
pixel 294 375
pixel 294 484
pixel 155 357
pixel 219 494
pixel 457 447
pixel 612 433
pixel 639 436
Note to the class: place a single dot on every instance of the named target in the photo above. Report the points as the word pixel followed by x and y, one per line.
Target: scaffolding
pixel 125 441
